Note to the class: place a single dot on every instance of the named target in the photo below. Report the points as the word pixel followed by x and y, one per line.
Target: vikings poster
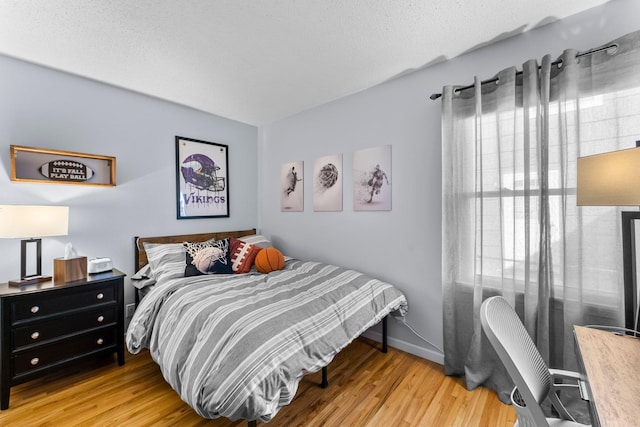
pixel 202 178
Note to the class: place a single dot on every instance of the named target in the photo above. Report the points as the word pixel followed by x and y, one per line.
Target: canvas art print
pixel 327 183
pixel 292 187
pixel 372 179
pixel 202 179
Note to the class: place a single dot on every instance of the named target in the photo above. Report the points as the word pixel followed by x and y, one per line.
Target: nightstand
pixel 46 326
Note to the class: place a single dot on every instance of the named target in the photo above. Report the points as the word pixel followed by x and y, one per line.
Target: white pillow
pixel 257 239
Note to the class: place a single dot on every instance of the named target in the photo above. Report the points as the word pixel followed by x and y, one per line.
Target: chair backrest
pixel 518 353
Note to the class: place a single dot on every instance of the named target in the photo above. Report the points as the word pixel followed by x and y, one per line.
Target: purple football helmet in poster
pixel 200 170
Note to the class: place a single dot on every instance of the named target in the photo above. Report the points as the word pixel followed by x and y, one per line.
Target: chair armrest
pixel 570 375
pixel 562 374
pixel 575 379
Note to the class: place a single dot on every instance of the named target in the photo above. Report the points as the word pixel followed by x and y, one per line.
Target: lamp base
pixel 29 281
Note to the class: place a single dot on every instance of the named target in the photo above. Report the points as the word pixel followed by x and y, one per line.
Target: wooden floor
pixel 366 388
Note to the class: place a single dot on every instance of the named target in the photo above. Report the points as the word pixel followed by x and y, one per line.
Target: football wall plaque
pixel 41 165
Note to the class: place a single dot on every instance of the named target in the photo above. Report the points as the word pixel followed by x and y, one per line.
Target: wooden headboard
pixel 141 255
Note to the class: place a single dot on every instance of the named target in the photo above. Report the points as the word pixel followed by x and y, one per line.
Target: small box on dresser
pixel 47 326
pixel 68 270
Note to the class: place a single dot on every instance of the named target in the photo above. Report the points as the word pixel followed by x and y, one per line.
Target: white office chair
pixel 533 379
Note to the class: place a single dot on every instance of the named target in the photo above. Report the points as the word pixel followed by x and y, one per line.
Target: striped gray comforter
pixel 237 346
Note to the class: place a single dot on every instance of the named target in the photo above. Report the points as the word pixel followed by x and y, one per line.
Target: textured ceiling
pixel 258 61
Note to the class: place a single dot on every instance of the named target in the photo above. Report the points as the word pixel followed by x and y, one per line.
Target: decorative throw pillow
pixel 166 259
pixel 257 239
pixel 268 260
pixel 242 255
pixel 210 257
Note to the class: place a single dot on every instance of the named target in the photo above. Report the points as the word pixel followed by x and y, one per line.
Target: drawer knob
pixel 100 295
pixel 35 361
pixel 100 319
pixel 35 335
pixel 100 341
pixel 35 309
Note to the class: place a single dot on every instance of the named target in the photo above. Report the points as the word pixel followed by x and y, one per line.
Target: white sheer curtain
pixel 510 221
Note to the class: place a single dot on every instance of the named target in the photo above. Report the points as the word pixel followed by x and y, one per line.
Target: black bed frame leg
pixel 384 334
pixel 325 381
pixel 251 423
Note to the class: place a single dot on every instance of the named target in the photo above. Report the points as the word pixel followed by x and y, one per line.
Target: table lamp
pixel 613 179
pixel 30 223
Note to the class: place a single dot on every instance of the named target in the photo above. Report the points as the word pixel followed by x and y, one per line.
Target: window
pixel 507 197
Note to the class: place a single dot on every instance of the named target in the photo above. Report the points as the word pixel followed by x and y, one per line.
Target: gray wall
pixel 402 246
pixel 43 108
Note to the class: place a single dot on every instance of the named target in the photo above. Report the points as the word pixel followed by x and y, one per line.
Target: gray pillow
pixel 166 259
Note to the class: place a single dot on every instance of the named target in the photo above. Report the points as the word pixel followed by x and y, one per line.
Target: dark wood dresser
pixel 46 326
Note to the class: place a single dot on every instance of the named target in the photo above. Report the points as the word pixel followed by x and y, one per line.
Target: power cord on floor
pixel 403 320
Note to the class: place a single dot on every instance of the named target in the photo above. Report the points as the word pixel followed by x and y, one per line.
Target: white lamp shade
pixel 609 179
pixel 33 221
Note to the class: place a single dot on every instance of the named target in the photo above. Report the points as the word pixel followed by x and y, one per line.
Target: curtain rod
pixel 435 96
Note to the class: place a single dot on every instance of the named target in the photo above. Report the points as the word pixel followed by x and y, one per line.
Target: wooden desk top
pixel 612 366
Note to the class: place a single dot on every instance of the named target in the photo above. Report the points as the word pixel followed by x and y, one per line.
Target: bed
pixel 236 345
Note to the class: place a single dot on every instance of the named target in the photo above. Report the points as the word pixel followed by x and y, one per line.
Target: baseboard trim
pixel 425 353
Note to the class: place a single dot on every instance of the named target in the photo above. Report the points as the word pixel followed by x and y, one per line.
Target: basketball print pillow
pixel 210 257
